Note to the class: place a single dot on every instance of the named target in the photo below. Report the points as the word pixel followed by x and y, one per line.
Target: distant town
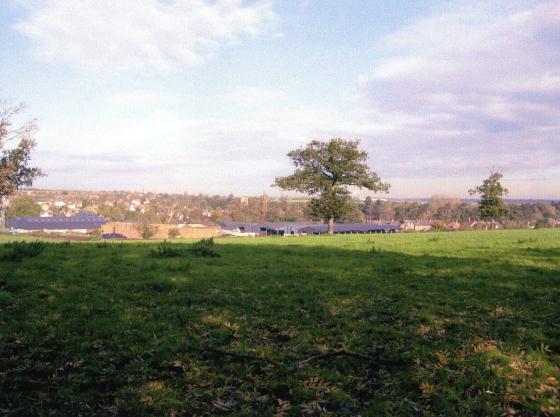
pixel 130 215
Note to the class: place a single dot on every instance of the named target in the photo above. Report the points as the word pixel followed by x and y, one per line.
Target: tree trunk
pixel 3 204
pixel 331 226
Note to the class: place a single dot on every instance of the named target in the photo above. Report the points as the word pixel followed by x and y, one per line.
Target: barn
pixel 354 228
pixel 296 228
pixel 269 228
pixel 80 223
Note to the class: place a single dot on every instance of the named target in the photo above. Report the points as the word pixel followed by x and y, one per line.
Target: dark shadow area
pixel 271 329
pixel 552 253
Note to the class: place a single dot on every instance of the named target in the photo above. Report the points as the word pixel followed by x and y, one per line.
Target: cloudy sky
pixel 209 95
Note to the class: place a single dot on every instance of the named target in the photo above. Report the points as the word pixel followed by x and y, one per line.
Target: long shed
pixel 354 228
pixel 294 228
pixel 81 222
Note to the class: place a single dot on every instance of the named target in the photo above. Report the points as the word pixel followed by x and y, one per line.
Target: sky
pixel 208 96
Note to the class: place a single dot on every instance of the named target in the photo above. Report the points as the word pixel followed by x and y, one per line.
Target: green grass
pixel 437 324
pixel 21 238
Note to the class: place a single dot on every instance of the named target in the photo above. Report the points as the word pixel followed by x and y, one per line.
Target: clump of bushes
pixel 205 247
pixel 7 299
pixel 542 223
pixel 438 227
pixel 16 251
pixel 167 250
pixel 530 240
pixel 373 250
pixel 95 234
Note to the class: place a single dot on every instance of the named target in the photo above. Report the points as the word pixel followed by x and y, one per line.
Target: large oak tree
pixel 326 170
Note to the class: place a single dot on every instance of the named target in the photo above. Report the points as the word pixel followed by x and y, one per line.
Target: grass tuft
pixel 16 251
pixel 205 247
pixel 168 250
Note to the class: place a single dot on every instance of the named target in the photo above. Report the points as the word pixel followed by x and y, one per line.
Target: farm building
pixel 80 223
pixel 293 228
pixel 356 228
pixel 272 228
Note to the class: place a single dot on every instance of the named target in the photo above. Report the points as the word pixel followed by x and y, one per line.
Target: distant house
pixel 80 223
pixel 134 205
pixel 480 224
pixel 416 225
pixel 424 225
pixel 453 226
pixel 407 226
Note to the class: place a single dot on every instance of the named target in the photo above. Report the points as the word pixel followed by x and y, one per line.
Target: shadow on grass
pixel 274 329
pixel 552 253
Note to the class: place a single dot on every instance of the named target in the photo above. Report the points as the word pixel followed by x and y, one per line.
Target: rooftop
pixel 301 227
pixel 82 220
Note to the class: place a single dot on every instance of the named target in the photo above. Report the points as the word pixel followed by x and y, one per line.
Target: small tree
pixel 23 206
pixel 368 207
pixel 492 194
pixel 173 233
pixel 326 170
pixel 16 144
pixel 145 228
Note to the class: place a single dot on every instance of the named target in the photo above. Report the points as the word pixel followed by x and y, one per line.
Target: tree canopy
pixel 23 206
pixel 326 170
pixel 16 144
pixel 491 197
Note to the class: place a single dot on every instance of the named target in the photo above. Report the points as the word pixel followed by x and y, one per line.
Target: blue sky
pixel 209 96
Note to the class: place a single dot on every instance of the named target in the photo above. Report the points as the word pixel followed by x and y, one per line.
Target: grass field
pixel 436 324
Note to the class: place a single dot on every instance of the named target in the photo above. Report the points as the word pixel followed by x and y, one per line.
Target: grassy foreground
pixel 448 324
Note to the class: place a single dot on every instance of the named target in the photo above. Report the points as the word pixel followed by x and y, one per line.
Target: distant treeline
pixel 445 209
pixel 206 209
pixel 216 209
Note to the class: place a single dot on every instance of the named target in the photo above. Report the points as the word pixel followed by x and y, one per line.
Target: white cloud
pixel 139 34
pixel 477 86
pixel 143 98
pixel 254 96
pixel 173 151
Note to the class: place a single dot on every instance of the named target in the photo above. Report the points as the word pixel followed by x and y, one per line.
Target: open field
pixel 436 324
